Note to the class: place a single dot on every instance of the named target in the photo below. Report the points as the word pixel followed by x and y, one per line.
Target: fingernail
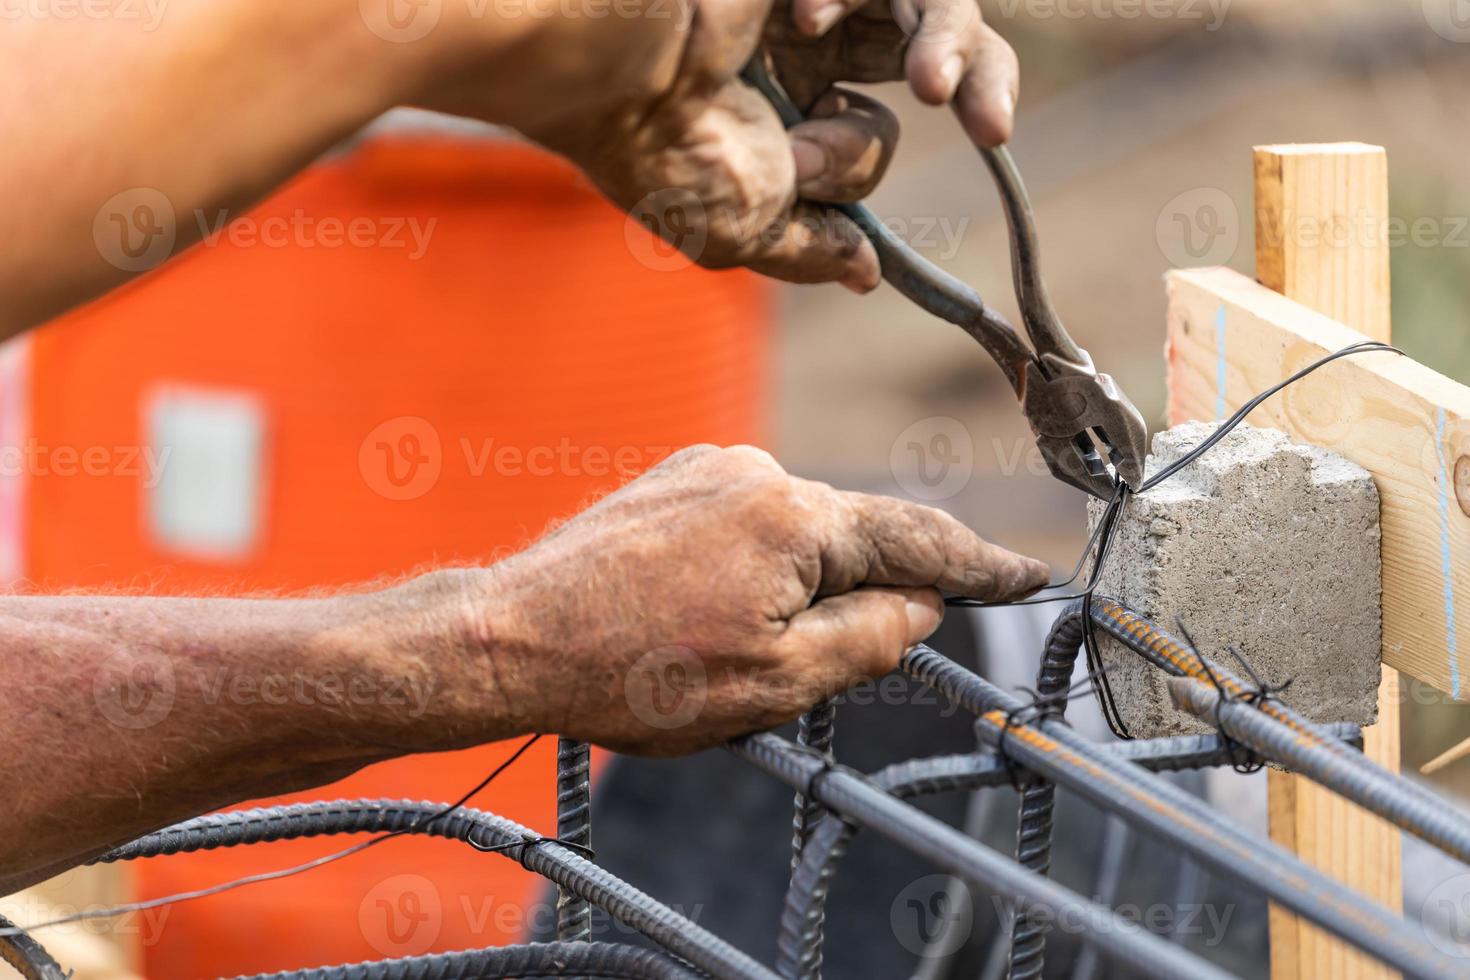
pixel 1040 571
pixel 856 282
pixel 811 159
pixel 1033 575
pixel 950 72
pixel 1008 102
pixel 923 619
pixel 824 17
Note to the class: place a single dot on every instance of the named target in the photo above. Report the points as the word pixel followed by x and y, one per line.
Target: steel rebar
pixel 1053 749
pixel 524 961
pixel 573 826
pixel 674 932
pixel 1403 802
pixel 866 804
pixel 1038 800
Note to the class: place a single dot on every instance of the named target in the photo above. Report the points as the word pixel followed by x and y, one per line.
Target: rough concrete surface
pixel 1263 545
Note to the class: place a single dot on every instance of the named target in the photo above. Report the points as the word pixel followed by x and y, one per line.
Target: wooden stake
pixel 1321 228
pixel 1321 223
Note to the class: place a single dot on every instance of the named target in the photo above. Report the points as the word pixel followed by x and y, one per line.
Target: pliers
pixel 1082 422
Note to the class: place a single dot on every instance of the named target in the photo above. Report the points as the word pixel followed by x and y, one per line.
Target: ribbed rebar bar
pixel 28 957
pixel 592 961
pixel 810 883
pixel 1038 798
pixel 1054 750
pixel 868 805
pixel 814 731
pixel 1408 804
pixel 799 939
pixel 674 932
pixel 574 826
pixel 1356 778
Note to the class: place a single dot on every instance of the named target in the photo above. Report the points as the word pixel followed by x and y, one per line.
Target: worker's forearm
pixel 126 713
pixel 711 597
pixel 190 111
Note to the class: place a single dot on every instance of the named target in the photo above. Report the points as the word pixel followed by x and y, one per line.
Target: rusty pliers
pixel 1087 430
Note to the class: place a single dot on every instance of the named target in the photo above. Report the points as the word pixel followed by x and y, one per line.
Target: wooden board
pixel 1406 424
pixel 1230 337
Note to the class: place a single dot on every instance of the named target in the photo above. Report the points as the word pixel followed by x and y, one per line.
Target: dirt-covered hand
pixel 651 105
pixel 718 595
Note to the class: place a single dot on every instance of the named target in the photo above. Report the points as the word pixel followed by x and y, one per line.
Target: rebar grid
pixel 1030 746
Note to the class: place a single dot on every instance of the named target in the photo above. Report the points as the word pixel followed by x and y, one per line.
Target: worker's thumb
pixel 865 631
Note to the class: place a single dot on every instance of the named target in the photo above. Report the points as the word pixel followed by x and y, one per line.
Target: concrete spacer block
pixel 1261 544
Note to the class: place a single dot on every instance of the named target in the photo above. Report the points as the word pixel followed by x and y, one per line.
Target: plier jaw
pixel 1089 433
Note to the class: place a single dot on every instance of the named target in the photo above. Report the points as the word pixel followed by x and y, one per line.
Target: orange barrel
pixel 424 350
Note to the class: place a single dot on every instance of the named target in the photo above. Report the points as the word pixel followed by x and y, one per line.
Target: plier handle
pixel 1087 430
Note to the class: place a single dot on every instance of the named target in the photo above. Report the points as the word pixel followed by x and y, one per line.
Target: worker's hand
pixel 717 595
pixel 942 48
pixel 650 104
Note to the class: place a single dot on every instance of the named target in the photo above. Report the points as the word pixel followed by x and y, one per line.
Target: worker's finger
pixel 887 541
pixel 985 100
pixel 862 633
pixel 817 17
pixel 944 43
pixel 750 211
pixel 844 147
pixel 816 244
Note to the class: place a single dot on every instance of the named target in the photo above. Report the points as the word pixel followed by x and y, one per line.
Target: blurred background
pixel 255 423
